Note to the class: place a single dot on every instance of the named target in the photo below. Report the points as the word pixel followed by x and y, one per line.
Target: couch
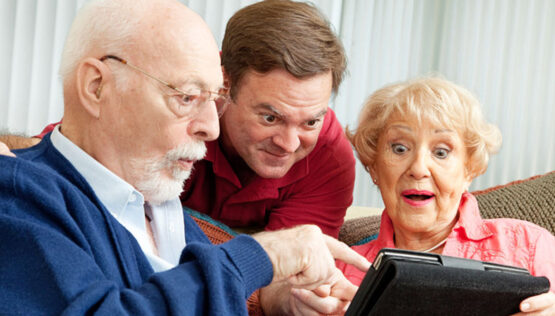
pixel 531 199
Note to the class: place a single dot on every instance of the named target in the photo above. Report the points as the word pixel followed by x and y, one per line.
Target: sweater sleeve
pixel 60 257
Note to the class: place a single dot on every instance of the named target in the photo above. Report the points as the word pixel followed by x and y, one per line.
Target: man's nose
pixel 205 125
pixel 288 139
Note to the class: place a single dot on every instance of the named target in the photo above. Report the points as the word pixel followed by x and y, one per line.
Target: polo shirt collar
pixel 220 164
pixel 223 169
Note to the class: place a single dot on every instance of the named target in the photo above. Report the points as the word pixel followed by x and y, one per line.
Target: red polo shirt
pixel 316 190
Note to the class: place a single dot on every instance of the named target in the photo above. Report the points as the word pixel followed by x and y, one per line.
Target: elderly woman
pixel 423 142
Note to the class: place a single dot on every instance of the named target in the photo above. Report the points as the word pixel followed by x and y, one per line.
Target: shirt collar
pixel 110 189
pixel 220 164
pixel 258 188
pixel 385 236
pixel 470 222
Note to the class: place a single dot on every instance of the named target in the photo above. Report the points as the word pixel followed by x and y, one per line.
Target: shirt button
pixel 172 228
pixel 132 198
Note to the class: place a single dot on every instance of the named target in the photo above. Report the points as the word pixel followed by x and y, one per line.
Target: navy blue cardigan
pixel 62 252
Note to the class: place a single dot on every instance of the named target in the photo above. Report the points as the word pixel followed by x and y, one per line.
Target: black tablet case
pixel 402 282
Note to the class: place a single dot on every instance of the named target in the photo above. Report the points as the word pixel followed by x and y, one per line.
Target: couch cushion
pixel 532 199
pixel 360 230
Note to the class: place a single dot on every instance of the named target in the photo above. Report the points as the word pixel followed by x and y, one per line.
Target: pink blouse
pixel 505 241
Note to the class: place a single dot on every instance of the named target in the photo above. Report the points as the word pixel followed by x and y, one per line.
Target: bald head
pixel 168 33
pixel 131 26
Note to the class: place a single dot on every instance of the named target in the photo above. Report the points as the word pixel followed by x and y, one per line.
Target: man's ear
pixel 92 75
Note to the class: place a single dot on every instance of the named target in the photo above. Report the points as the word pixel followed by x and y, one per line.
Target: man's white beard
pixel 152 180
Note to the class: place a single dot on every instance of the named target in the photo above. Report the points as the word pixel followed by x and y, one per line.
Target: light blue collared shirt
pixel 127 205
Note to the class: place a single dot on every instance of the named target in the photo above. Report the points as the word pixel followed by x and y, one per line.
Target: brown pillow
pixel 358 231
pixel 531 199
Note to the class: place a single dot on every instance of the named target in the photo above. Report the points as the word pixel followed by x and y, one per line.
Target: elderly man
pixel 90 219
pixel 282 158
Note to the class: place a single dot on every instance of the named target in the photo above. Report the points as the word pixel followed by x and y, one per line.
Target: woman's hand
pixel 543 304
pixel 328 299
pixel 333 298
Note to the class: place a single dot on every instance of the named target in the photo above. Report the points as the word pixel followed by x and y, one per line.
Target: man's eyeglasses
pixel 190 103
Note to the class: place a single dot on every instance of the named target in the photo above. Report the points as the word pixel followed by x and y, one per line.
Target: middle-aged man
pixel 282 158
pixel 90 218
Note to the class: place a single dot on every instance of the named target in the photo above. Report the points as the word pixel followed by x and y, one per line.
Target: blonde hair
pixel 433 99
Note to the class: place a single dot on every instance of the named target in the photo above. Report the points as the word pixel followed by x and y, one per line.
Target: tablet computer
pixel 403 282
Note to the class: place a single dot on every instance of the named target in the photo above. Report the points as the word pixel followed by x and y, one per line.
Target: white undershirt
pixel 127 205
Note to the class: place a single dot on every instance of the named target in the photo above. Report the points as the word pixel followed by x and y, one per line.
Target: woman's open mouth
pixel 417 197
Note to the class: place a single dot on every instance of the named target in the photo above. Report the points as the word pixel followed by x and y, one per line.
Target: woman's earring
pixel 375 180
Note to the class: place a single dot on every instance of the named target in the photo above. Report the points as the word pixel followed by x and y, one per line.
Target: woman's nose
pixel 419 167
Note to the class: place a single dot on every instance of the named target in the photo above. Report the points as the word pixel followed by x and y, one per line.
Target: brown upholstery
pixel 360 230
pixel 216 234
pixel 532 199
